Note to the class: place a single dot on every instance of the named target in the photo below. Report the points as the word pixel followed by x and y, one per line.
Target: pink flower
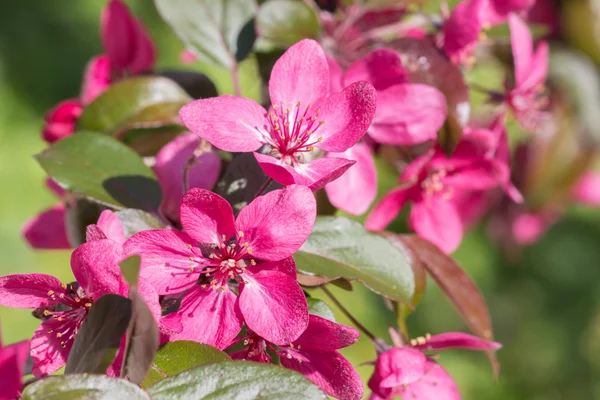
pixel 304 116
pixel 187 57
pixel 462 31
pixel 170 163
pixel 253 251
pixel 314 354
pixel 407 372
pixel 128 46
pixel 531 68
pixel 108 227
pixel 63 308
pixel 12 366
pixel 430 182
pixel 587 189
pixel 497 11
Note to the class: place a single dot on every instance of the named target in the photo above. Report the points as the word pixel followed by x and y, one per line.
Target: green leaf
pixel 103 169
pixel 99 337
pixel 134 221
pixel 179 356
pixel 130 269
pixel 339 247
pixel 320 308
pixel 139 102
pixel 210 28
pixel 83 387
pixel 285 22
pixel 236 380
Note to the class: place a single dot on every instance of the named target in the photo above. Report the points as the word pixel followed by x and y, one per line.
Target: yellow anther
pixel 47 313
pixel 289 356
pixel 189 246
pixel 50 331
pixel 50 292
pixel 191 269
pixel 223 237
pixel 299 360
pixel 241 234
pixel 62 295
pixel 77 299
pixel 58 334
pixel 320 139
pixel 249 249
pixel 246 342
pixel 427 336
pixel 203 286
pixel 299 347
pixel 298 104
pixel 421 340
pixel 88 305
pixel 252 262
pixel 63 345
pixel 413 342
pixel 59 319
pixel 64 286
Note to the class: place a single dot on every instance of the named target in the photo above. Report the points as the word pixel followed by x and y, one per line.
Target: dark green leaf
pixel 320 308
pixel 209 28
pixel 197 85
pixel 99 337
pixel 83 387
pixel 339 247
pixel 178 356
pixel 285 22
pixel 134 221
pixel 236 380
pixel 103 169
pixel 79 214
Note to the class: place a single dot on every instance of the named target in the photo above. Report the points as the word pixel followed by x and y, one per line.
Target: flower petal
pixel 522 48
pixel 230 123
pixel 166 260
pixel 322 334
pixel 462 30
pixel 28 290
pixel 273 306
pixel 276 224
pixel 95 266
pixel 169 166
pixel 587 189
pixel 528 228
pixel 206 216
pixel 345 116
pixel 388 208
pixel 452 340
pixel 209 316
pixel 408 114
pixel 335 76
pixel 300 75
pixel 482 174
pixel 395 367
pixel 60 120
pixel 47 230
pixel 96 78
pixel 330 371
pixel 355 190
pixel 47 354
pixel 111 226
pixel 437 221
pixel 435 384
pixel 145 53
pixel 12 365
pixel 382 68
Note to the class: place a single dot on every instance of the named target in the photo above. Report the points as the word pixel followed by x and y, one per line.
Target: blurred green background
pixel 545 309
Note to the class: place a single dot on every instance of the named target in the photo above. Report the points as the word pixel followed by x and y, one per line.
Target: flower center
pixel 257 350
pixel 292 131
pixel 433 184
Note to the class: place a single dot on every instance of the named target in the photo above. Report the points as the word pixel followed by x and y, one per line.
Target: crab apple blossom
pixel 431 182
pixel 314 354
pixel 407 372
pixel 497 11
pixel 217 256
pixel 525 98
pixel 12 368
pixel 303 117
pixel 462 31
pixel 62 307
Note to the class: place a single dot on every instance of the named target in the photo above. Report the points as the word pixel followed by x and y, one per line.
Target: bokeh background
pixel 545 306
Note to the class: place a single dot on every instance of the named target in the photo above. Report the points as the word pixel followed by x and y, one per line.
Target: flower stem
pixel 235 79
pixel 347 314
pixel 264 187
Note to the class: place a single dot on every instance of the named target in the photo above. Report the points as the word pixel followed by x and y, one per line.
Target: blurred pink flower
pixel 12 367
pixel 495 12
pixel 462 31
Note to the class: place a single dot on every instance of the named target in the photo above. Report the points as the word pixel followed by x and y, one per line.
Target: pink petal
pixel 206 216
pixel 387 209
pixel 522 48
pixel 286 266
pixel 61 120
pixel 436 384
pixel 587 189
pixel 355 190
pixel 12 363
pixel 276 224
pixel 346 116
pixel 325 335
pixel 111 226
pixel 170 162
pixel 335 76
pixel 55 188
pixel 273 306
pixel 528 228
pixel 47 230
pixel 95 266
pixel 437 221
pixel 300 75
pixel 395 367
pixel 28 290
pixel 539 68
pixel 480 175
pixel 461 31
pixel 330 371
pixel 408 114
pixel 497 11
pixel 93 232
pixel 166 260
pixel 230 123
pixel 461 340
pixel 145 53
pixel 209 316
pixel 314 175
pixel 382 68
pixel 187 57
pixel 96 78
pixel 47 354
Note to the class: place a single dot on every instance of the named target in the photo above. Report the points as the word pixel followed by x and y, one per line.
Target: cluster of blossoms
pixel 228 279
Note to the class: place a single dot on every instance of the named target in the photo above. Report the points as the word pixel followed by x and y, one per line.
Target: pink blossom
pixel 407 372
pixel 525 98
pixel 495 12
pixel 12 366
pixel 127 44
pixel 314 354
pixel 431 182
pixel 218 256
pixel 63 308
pixel 304 117
pixel 587 189
pixel 169 167
pixel 108 227
pixel 187 57
pixel 462 31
